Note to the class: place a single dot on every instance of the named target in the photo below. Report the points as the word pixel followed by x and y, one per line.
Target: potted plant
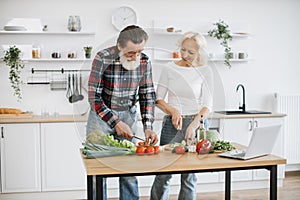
pixel 12 58
pixel 222 32
pixel 88 51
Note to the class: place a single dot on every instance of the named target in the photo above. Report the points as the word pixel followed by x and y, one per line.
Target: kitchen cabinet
pixel 239 130
pixel 62 167
pixel 20 158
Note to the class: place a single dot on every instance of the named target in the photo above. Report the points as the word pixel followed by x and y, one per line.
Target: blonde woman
pixel 188 86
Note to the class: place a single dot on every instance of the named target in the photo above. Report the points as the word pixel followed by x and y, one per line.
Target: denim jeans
pixel 160 187
pixel 128 186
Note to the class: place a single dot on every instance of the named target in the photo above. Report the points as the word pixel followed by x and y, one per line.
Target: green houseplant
pixel 12 58
pixel 88 51
pixel 222 32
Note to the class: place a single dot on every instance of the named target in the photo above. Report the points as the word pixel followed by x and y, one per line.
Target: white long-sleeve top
pixel 188 89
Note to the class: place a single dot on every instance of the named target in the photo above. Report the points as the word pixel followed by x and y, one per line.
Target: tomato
pixel 156 149
pixel 149 150
pixel 141 143
pixel 203 146
pixel 140 150
pixel 180 150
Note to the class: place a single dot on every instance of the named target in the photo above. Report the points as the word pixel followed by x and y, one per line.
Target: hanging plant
pixel 222 32
pixel 12 58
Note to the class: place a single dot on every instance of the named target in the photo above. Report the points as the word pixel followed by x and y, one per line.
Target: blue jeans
pixel 128 186
pixel 160 187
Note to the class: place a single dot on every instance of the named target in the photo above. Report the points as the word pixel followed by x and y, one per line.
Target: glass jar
pixel 36 51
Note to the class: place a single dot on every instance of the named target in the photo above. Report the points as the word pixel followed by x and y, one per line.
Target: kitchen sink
pixel 240 112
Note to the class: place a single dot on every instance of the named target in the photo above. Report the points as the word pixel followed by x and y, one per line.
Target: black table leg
pixel 90 187
pixel 227 184
pixel 273 182
pixel 99 188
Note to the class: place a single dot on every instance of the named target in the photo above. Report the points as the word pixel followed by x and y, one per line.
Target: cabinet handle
pixel 255 124
pixel 2 132
pixel 250 126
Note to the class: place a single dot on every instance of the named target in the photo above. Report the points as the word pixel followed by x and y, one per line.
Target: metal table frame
pixel 98 194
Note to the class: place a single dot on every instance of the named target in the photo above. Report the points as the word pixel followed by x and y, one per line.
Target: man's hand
pixel 123 130
pixel 151 135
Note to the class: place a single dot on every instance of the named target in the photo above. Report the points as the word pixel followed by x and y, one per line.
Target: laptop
pixel 262 142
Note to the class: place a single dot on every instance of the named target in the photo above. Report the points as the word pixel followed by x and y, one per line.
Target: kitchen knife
pixel 136 137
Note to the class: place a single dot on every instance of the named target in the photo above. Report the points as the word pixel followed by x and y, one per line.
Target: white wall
pixel 273 46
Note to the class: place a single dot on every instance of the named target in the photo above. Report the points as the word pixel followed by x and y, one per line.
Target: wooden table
pixel 170 163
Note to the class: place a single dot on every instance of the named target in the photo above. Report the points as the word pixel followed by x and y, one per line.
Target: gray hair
pixel 132 33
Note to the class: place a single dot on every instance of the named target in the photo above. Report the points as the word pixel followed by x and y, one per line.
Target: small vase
pixel 74 23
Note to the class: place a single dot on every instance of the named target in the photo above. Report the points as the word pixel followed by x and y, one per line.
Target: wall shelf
pixel 45 33
pixel 57 60
pixel 179 32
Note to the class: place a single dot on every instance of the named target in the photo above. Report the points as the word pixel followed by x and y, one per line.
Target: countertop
pixel 83 118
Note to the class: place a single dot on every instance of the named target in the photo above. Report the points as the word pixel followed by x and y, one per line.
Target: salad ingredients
pixel 222 145
pixel 92 150
pixel 212 135
pixel 140 150
pixel 203 146
pixel 96 137
pixel 144 148
pixel 149 150
pixel 110 141
pixel 179 150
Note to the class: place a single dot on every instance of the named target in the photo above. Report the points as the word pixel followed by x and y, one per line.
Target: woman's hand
pixel 191 130
pixel 123 130
pixel 176 119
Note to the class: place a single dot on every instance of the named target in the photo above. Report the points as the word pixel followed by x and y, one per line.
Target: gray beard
pixel 129 65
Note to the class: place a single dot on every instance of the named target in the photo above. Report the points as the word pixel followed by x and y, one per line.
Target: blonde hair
pixel 201 42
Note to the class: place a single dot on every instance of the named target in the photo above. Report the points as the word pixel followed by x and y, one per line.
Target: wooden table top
pixel 170 162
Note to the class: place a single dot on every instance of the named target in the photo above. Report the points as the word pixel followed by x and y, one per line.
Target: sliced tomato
pixel 140 150
pixel 156 149
pixel 149 150
pixel 141 143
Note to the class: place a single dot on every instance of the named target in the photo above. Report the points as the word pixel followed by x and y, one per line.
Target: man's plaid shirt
pixel 112 87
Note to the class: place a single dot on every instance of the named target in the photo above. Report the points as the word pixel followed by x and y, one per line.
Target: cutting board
pixel 22 115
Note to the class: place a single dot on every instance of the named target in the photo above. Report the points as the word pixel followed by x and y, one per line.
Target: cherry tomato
pixel 141 143
pixel 149 150
pixel 156 149
pixel 140 150
pixel 180 150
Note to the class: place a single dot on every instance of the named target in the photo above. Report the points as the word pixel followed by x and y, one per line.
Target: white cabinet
pixel 20 158
pixel 239 130
pixel 62 167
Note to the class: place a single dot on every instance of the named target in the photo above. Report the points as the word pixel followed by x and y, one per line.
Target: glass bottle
pixel 201 130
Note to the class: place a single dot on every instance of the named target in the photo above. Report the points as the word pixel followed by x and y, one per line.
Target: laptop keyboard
pixel 239 153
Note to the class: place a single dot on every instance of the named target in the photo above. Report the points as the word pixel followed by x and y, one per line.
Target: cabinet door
pixel 20 158
pixel 62 166
pixel 237 130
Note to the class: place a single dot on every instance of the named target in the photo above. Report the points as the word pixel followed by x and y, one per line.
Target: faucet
pixel 243 107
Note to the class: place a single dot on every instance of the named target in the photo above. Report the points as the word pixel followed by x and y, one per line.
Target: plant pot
pixel 88 55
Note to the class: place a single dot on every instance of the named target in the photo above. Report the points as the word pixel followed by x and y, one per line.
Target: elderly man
pixel 121 76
